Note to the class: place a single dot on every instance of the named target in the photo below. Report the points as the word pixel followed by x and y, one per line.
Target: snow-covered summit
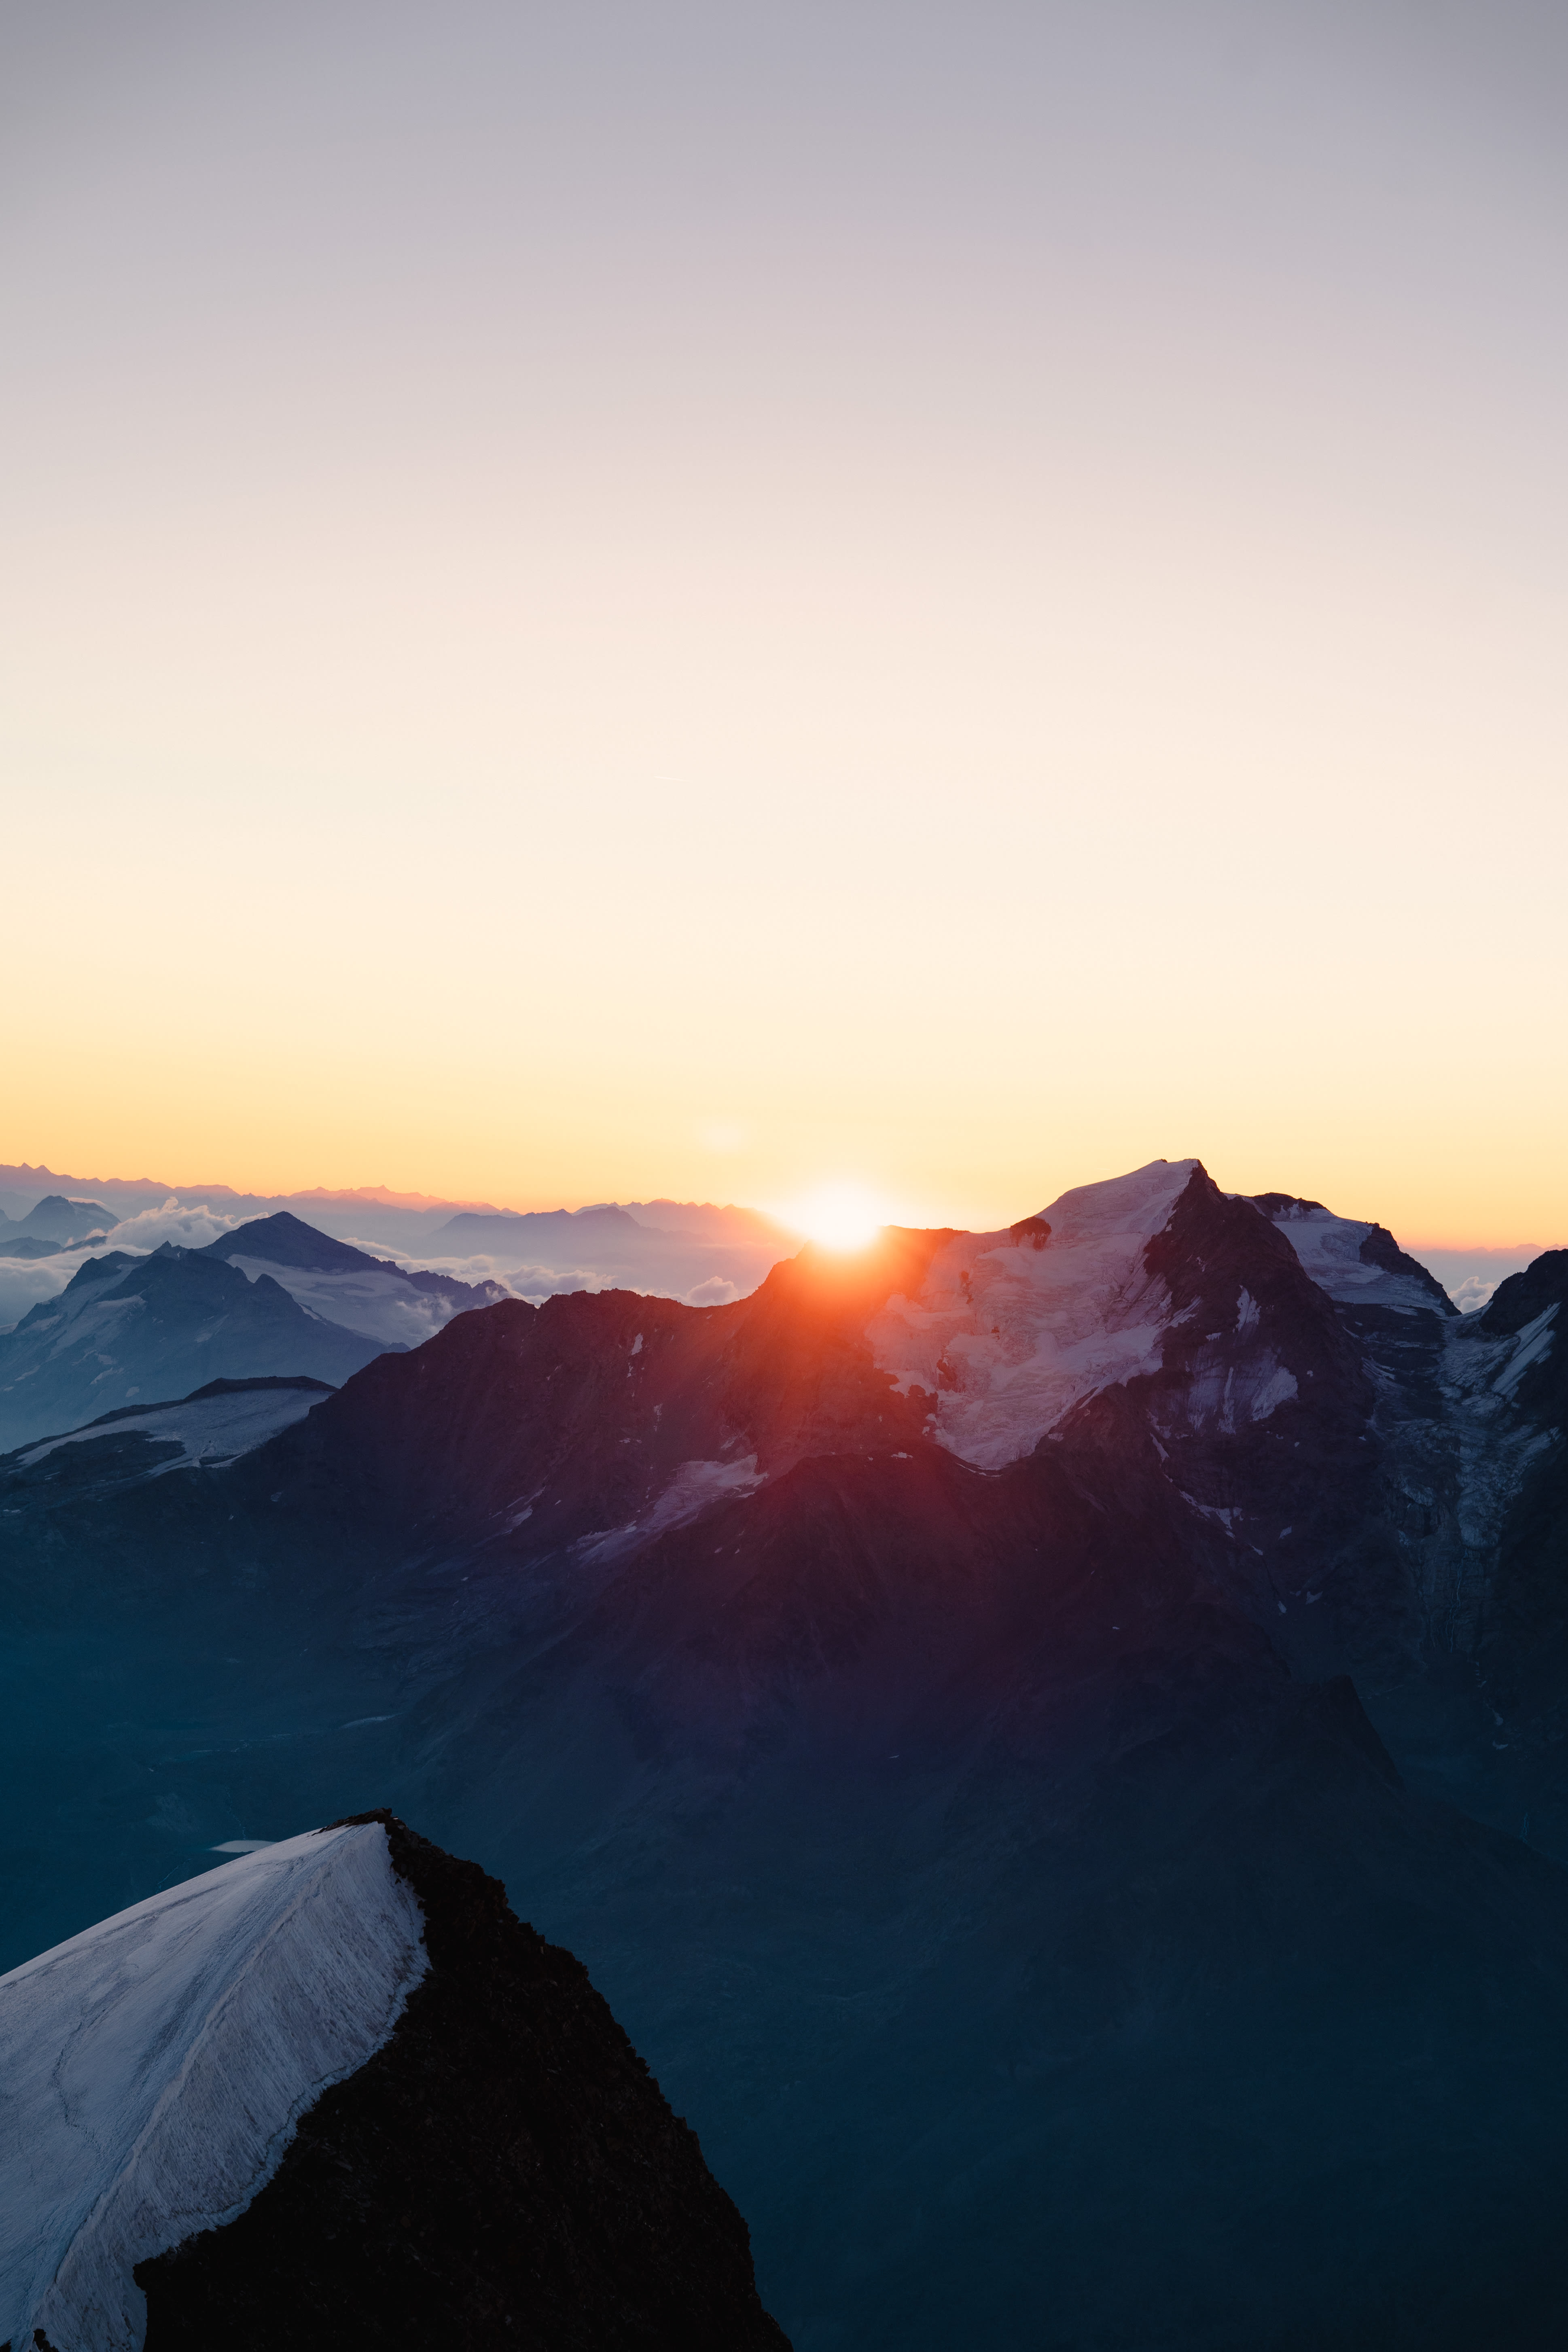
pixel 153 2067
pixel 1011 1329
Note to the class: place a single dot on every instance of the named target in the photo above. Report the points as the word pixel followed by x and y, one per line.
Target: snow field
pixel 211 1429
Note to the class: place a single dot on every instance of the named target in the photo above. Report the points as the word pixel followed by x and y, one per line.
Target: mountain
pixel 380 1300
pixel 129 1328
pixel 335 2092
pixel 28 1245
pixel 678 1248
pixel 1517 1625
pixel 59 1220
pixel 1032 1731
pixel 401 1220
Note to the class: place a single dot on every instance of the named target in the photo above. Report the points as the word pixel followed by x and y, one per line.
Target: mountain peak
pixel 1357 1261
pixel 285 1239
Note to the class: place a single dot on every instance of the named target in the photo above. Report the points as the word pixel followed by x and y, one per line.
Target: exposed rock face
pixel 503 2170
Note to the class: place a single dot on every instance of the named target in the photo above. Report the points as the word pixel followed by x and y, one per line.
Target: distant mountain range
pixel 272 1298
pixel 694 1250
pixel 1050 1739
pixel 406 1222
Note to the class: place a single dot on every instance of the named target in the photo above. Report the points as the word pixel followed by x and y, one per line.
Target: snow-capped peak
pixel 1008 1336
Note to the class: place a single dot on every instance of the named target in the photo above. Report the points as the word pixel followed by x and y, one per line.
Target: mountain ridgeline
pixel 1049 1741
pixel 337 2093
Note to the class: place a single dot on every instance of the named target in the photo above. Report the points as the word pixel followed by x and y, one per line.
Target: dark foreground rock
pixel 503 2172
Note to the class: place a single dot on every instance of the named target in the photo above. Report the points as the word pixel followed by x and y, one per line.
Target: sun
pixel 839 1216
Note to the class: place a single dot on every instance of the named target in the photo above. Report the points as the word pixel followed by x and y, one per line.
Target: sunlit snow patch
pixel 154 2068
pixel 1009 1337
pixel 694 1488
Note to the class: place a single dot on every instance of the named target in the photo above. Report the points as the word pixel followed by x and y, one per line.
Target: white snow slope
pixel 374 1301
pixel 1010 1338
pixel 1330 1249
pixel 212 1430
pixel 153 2069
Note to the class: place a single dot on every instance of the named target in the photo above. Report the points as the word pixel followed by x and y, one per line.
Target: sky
pixel 709 600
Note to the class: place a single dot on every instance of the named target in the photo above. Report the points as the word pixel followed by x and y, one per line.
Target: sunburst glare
pixel 839 1216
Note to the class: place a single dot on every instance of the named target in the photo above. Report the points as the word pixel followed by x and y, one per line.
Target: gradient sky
pixel 613 600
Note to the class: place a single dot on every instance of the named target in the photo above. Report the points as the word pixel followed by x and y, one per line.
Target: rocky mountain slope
pixel 334 2093
pixel 1032 1730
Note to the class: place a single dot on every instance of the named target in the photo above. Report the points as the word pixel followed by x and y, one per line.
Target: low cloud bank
pixel 187 1228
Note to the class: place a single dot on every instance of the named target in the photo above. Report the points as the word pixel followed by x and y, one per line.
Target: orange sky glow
pixel 652 618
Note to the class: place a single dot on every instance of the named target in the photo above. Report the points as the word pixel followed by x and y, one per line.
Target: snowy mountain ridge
pixel 335 2092
pixel 1356 1261
pixel 155 2066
